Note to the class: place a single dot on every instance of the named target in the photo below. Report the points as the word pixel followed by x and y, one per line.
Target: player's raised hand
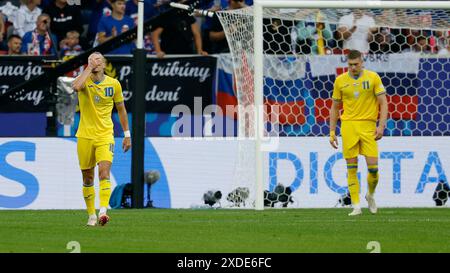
pixel 126 144
pixel 333 140
pixel 379 133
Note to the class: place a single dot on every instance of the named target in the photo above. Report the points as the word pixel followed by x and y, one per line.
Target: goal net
pixel 303 50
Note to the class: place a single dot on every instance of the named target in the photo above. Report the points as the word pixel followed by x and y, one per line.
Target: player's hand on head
pixel 126 144
pixel 91 62
pixel 98 62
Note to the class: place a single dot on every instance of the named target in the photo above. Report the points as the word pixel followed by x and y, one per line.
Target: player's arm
pixel 334 116
pixel 382 101
pixel 334 112
pixel 79 81
pixel 198 39
pixel 123 117
pixel 344 33
pixel 19 24
pixel 380 93
pixel 2 27
pixel 101 37
pixel 372 31
pixel 156 34
pixel 216 36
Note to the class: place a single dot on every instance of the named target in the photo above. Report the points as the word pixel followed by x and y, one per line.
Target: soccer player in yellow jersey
pixel 97 94
pixel 363 95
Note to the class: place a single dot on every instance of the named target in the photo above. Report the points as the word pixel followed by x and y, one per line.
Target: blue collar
pixel 98 82
pixel 355 78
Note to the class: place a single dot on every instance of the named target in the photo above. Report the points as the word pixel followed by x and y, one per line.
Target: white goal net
pixel 303 52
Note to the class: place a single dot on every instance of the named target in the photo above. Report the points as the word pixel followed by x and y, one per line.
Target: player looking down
pixel 362 95
pixel 97 94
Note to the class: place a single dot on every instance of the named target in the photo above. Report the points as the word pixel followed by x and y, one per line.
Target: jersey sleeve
pixel 378 87
pixel 85 86
pixel 337 94
pixel 118 95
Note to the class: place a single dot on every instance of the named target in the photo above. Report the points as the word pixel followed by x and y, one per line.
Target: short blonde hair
pixel 98 53
pixel 74 33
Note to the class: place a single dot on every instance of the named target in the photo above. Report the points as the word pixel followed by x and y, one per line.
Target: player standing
pixel 363 95
pixel 97 94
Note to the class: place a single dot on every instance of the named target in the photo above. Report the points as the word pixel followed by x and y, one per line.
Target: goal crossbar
pixel 353 4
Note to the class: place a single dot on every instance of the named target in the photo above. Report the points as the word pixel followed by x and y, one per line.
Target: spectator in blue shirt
pixel 99 8
pixel 132 9
pixel 38 41
pixel 111 26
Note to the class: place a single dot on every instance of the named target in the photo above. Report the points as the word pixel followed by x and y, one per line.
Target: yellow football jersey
pixel 359 96
pixel 96 101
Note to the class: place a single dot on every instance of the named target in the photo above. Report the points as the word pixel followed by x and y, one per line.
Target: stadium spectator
pixel 3 46
pixel 64 18
pixel 45 3
pixel 382 41
pixel 413 35
pixel 176 32
pixel 388 40
pixel 2 28
pixel 445 50
pixel 356 30
pixel 14 45
pixel 70 45
pixel 111 26
pixel 217 37
pixel 441 39
pixel 99 8
pixel 131 9
pixel 277 36
pixel 224 4
pixel 206 22
pixel 420 46
pixel 39 41
pixel 26 17
pixel 313 34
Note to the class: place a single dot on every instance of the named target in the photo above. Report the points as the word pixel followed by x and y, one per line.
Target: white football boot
pixel 356 211
pixel 92 221
pixel 372 204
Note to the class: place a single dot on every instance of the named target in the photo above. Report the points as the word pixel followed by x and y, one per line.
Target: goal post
pixel 248 49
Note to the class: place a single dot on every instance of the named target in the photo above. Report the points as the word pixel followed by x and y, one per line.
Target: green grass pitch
pixel 228 231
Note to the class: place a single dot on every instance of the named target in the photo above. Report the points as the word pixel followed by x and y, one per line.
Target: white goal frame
pixel 258 7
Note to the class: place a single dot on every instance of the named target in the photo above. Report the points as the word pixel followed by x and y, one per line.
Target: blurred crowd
pixel 359 29
pixel 53 27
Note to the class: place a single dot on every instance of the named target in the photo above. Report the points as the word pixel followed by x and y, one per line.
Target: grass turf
pixel 228 231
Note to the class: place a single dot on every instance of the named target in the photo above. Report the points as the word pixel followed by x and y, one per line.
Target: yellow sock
pixel 353 183
pixel 372 178
pixel 89 198
pixel 105 192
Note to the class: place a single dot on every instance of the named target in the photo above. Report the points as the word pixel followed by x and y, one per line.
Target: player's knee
pixel 88 180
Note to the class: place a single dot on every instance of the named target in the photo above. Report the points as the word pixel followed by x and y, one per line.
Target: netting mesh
pixel 299 72
pixel 304 51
